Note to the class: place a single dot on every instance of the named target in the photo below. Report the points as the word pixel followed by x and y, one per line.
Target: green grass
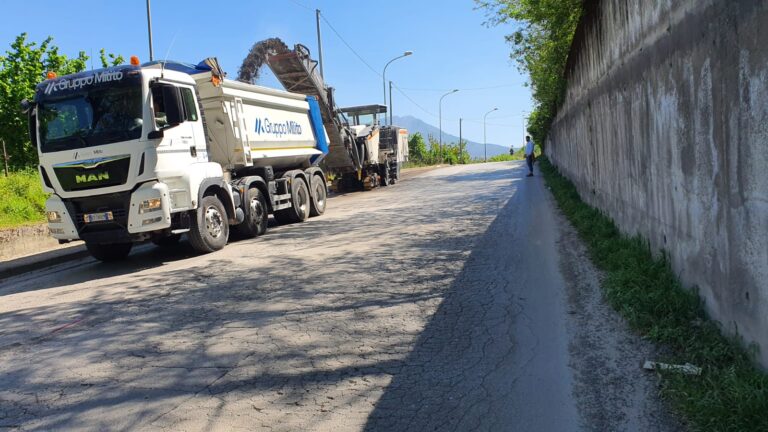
pixel 731 394
pixel 22 200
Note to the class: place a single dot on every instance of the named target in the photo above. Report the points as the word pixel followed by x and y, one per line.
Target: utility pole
pixel 5 157
pixel 149 30
pixel 319 43
pixel 390 103
pixel 461 157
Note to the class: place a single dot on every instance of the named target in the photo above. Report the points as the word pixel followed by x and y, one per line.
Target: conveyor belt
pixel 296 71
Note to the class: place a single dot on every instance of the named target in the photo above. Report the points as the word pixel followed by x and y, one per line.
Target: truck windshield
pixel 90 118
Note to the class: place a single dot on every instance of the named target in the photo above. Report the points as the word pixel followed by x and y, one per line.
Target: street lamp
pixel 440 109
pixel 384 75
pixel 485 141
pixel 149 31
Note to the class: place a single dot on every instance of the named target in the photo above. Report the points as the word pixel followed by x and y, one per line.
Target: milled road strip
pixel 439 302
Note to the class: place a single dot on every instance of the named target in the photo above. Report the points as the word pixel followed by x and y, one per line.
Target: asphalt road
pixel 456 300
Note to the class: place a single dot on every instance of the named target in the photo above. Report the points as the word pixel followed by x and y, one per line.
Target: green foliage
pixel 108 60
pixel 22 199
pixel 516 156
pixel 540 45
pixel 731 394
pixel 417 149
pixel 22 67
pixel 420 155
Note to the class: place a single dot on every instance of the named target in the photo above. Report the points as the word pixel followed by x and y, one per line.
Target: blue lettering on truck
pixel 264 126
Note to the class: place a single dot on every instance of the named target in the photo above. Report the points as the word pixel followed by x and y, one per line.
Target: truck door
pixel 197 145
pixel 183 142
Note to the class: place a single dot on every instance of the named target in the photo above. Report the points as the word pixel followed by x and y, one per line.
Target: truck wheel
pixel 209 229
pixel 319 196
pixel 109 252
pixel 171 240
pixel 384 168
pixel 256 214
pixel 300 201
pixel 395 175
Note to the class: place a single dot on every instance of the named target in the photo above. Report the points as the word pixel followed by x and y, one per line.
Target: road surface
pixel 456 300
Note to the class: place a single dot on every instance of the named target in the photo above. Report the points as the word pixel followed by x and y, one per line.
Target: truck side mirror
pixel 26 106
pixel 174 109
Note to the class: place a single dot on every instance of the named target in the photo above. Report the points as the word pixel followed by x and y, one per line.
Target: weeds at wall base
pixel 731 394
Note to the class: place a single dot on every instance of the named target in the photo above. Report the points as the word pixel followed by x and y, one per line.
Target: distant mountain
pixel 475 149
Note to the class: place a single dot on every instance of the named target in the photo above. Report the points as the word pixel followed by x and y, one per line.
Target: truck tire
pixel 319 196
pixel 256 214
pixel 384 169
pixel 209 228
pixel 395 174
pixel 109 252
pixel 300 204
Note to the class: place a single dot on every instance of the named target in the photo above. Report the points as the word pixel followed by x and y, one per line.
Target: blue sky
pixel 452 48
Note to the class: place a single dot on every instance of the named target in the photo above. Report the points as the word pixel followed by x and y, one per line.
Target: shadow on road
pixel 302 310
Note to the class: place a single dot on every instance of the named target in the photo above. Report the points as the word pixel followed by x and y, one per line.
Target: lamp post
pixel 384 75
pixel 485 141
pixel 440 116
pixel 319 44
pixel 391 105
pixel 149 31
pixel 460 141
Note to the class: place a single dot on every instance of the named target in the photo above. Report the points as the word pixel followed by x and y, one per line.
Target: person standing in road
pixel 529 157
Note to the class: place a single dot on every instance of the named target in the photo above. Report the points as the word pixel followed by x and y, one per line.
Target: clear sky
pixel 452 48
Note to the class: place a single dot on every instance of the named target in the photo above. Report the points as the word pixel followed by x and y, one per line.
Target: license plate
pixel 98 217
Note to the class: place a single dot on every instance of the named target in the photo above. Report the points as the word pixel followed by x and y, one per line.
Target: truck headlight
pixel 150 205
pixel 54 217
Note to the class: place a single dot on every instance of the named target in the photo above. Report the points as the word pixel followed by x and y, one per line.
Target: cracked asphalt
pixel 457 300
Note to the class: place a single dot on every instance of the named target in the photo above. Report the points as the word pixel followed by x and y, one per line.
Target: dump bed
pixel 249 125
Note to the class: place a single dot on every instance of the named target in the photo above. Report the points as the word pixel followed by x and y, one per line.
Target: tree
pixel 22 67
pixel 417 149
pixel 540 45
pixel 108 60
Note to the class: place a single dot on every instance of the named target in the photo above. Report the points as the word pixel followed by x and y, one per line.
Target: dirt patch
pixel 611 389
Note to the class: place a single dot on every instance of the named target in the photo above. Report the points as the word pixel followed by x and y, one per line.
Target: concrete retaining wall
pixel 26 240
pixel 665 128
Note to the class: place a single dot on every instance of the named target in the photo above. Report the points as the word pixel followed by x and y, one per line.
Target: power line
pixel 461 89
pixel 348 45
pixel 371 67
pixel 413 101
pixel 301 5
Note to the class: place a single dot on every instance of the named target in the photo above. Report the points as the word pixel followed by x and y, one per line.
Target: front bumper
pixel 127 223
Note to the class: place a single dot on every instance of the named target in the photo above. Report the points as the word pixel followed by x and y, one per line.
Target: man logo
pixel 91 178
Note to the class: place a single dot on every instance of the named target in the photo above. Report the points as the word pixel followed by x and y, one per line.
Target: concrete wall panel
pixel 665 128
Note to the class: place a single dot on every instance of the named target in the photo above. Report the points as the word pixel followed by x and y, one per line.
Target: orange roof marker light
pixel 134 60
pixel 50 75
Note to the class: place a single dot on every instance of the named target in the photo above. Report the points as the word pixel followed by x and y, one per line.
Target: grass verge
pixel 731 394
pixel 22 200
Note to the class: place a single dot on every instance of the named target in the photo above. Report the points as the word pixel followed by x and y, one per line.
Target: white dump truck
pixel 153 151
